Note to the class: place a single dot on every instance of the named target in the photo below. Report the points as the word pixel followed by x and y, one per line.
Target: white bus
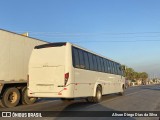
pixel 64 70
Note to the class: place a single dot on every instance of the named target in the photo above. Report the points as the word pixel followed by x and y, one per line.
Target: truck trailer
pixel 15 51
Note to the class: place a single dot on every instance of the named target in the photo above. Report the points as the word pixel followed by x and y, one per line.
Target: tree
pixel 129 73
pixel 136 75
pixel 143 75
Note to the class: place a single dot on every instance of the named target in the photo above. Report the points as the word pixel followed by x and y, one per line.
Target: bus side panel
pixel 87 81
pixel 84 82
pixel 107 82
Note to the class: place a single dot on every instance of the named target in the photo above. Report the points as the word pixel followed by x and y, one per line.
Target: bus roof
pixel 57 44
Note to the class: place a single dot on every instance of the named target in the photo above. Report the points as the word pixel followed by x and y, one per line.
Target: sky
pixel 127 31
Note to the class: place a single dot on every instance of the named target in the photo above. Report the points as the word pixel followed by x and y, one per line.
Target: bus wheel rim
pixel 99 95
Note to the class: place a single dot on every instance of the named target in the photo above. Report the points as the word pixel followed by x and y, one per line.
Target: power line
pixel 78 35
pixel 59 36
pixel 116 41
pixel 98 33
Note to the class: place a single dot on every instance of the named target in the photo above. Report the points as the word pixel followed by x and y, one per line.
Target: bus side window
pixel 90 61
pixel 95 63
pixel 116 68
pixel 120 70
pixel 102 64
pixel 113 68
pixel 75 57
pixel 105 65
pixel 81 59
pixel 110 65
pixel 86 60
pixel 98 64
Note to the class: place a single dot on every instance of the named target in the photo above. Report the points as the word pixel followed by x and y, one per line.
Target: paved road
pixel 139 98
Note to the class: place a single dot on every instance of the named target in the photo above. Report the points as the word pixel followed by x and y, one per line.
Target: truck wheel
pixel 11 97
pixel 1 104
pixel 25 99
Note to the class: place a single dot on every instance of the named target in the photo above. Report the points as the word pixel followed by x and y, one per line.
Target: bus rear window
pixel 50 45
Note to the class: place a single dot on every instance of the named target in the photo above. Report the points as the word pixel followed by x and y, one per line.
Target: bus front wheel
pixel 122 93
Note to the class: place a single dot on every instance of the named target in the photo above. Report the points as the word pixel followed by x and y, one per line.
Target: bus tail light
pixel 66 77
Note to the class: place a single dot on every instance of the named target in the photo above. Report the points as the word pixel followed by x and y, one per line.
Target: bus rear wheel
pixel 11 97
pixel 98 96
pixel 25 99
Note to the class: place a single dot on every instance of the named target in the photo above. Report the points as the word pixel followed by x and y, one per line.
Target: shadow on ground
pixel 97 112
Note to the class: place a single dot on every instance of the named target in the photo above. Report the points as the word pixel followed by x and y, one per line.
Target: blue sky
pixel 127 31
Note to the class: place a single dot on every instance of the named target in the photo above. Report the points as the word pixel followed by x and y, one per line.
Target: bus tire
pixel 89 99
pixel 98 96
pixel 11 97
pixel 25 99
pixel 122 93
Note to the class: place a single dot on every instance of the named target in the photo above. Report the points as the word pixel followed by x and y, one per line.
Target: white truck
pixel 15 51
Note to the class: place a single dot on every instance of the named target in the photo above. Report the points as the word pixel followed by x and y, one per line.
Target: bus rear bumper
pixel 51 94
